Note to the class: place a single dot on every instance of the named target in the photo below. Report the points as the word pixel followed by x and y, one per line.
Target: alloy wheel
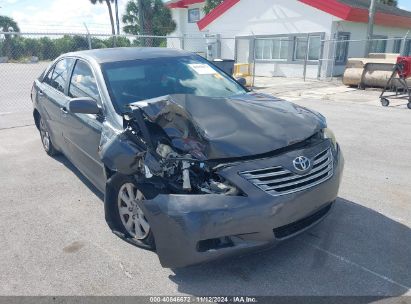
pixel 132 217
pixel 45 135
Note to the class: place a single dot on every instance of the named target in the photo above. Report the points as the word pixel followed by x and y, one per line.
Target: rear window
pixel 57 76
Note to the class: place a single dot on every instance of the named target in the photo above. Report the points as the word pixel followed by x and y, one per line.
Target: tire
pixel 45 138
pixel 125 216
pixel 409 105
pixel 385 102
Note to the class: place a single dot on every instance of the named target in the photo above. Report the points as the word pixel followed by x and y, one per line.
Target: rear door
pixel 52 99
pixel 82 132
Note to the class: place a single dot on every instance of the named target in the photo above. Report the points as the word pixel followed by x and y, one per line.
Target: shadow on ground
pixel 354 251
pixel 62 159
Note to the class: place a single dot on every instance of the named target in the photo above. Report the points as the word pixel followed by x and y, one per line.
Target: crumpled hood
pixel 217 128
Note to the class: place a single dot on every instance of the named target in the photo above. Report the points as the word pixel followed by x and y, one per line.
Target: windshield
pixel 136 80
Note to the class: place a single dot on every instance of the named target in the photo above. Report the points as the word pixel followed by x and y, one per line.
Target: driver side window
pixel 83 83
pixel 57 76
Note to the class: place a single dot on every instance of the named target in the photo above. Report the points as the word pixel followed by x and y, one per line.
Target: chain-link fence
pixel 23 47
pixel 23 56
pixel 311 55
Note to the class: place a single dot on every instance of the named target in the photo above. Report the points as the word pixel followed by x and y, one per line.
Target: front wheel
pixel 126 200
pixel 129 199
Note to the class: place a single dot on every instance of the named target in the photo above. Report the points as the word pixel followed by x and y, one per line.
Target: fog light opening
pixel 214 244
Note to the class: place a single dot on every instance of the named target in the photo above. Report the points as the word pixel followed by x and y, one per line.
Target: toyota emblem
pixel 301 163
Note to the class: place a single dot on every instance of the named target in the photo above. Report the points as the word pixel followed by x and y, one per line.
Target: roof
pixel 349 10
pixel 211 16
pixel 382 8
pixel 129 53
pixel 182 3
pixel 357 11
pixel 215 13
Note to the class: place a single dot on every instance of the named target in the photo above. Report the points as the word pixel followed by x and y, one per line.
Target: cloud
pixel 63 16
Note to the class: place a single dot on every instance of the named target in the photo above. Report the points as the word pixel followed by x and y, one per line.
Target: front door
pixel 82 132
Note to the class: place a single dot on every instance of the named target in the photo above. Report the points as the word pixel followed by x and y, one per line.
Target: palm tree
pixel 110 11
pixel 7 23
pixel 211 4
pixel 157 19
pixel 148 17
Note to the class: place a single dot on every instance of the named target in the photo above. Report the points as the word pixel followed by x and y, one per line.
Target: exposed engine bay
pixel 183 169
pixel 179 142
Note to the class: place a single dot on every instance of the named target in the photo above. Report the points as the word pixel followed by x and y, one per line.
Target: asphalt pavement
pixel 54 239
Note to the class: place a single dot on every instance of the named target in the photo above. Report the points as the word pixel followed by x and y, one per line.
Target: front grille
pixel 279 181
pixel 290 229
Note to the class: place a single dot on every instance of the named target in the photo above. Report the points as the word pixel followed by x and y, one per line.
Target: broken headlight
pixel 328 134
pixel 185 173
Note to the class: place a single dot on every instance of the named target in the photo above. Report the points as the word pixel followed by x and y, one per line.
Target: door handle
pixel 64 110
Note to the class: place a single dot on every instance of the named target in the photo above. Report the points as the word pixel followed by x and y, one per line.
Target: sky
pixel 59 15
pixel 69 15
pixel 405 4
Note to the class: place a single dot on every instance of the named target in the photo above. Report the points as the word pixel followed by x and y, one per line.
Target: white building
pixel 285 35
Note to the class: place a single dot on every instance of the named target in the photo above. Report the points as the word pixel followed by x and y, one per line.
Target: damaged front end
pixel 163 145
pixel 190 150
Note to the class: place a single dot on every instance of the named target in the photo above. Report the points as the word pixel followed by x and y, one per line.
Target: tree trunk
pixel 141 22
pixel 110 12
pixel 149 31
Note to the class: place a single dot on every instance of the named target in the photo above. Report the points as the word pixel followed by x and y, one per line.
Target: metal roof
pixel 382 8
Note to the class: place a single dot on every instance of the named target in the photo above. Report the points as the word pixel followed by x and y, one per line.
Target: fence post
pixel 254 43
pixel 88 36
pixel 182 41
pixel 335 41
pixel 404 48
pixel 320 59
pixel 306 56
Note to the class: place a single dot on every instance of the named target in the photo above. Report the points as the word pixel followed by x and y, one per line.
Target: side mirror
pixel 242 81
pixel 84 105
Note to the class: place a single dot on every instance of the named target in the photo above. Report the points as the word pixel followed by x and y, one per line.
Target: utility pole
pixel 118 21
pixel 370 30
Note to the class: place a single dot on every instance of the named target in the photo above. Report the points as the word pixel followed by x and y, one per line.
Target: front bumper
pixel 186 227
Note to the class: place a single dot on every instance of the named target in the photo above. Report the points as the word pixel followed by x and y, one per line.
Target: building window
pixel 378 44
pixel 397 46
pixel 272 49
pixel 314 48
pixel 300 48
pixel 341 48
pixel 193 15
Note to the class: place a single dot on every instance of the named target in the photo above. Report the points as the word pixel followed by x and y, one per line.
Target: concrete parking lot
pixel 54 239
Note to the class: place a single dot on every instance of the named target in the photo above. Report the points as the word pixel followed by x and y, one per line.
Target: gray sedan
pixel 192 164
